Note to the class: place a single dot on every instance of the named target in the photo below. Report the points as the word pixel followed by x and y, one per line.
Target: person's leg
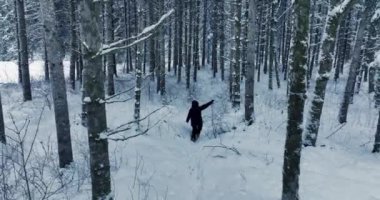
pixel 199 129
pixel 193 134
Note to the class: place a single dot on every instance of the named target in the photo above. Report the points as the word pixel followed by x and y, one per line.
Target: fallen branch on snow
pixel 225 147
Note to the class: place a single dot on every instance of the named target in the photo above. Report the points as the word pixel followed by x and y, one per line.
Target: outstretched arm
pixel 188 116
pixel 204 106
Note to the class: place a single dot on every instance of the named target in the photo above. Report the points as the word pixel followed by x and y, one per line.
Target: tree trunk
pixel 18 44
pixel 245 39
pixel 93 91
pixel 24 63
pixel 188 21
pixel 110 57
pixel 204 41
pixel 326 63
pixel 196 39
pixel 214 29
pixel 371 80
pixel 370 6
pixel 2 127
pixel 179 37
pixel 237 56
pixel 376 146
pixel 296 102
pixel 53 26
pixel 250 67
pixel 74 40
pixel 222 37
pixel 46 63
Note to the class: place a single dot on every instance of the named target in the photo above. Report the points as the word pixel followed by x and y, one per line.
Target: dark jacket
pixel 195 113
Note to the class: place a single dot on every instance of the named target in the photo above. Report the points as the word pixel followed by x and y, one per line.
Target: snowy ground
pixel 165 165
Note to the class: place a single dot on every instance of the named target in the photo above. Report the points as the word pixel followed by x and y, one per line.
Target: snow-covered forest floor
pixel 229 161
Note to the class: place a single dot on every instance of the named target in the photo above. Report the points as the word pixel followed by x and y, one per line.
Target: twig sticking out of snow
pixel 333 133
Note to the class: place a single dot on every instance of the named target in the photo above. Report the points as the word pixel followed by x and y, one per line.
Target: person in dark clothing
pixel 195 115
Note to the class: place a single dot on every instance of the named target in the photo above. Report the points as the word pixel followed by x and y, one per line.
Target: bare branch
pixel 225 147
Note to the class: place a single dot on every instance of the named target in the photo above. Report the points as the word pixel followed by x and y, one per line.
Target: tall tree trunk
pixel 188 21
pixel 376 146
pixel 214 29
pixel 179 37
pixel 138 84
pixel 46 63
pixel 53 25
pixel 326 63
pixel 222 37
pixel 110 58
pixel 170 44
pixel 371 80
pixel 245 39
pixel 237 56
pixel 272 43
pixel 24 63
pixel 250 67
pixel 296 102
pixel 196 39
pixel 2 127
pixel 204 40
pixel 161 49
pixel 370 6
pixel 73 44
pixel 18 44
pixel 93 91
pixel 266 39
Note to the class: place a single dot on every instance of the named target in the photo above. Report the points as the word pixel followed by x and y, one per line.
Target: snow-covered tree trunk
pixel 18 44
pixel 272 43
pixel 53 25
pixel 222 37
pixel 369 10
pixel 126 34
pixel 287 40
pixel 138 84
pixel 188 23
pixel 266 39
pixel 2 127
pixel 196 39
pixel 73 43
pixel 250 67
pixel 376 146
pixel 46 62
pixel 170 44
pixel 260 7
pixel 161 50
pixel 377 86
pixel 232 47
pixel 176 39
pixel 371 79
pixel 93 91
pixel 152 41
pixel 296 101
pixel 214 29
pixel 204 33
pixel 237 56
pixel 245 38
pixel 369 54
pixel 326 63
pixel 24 56
pixel 179 19
pixel 110 58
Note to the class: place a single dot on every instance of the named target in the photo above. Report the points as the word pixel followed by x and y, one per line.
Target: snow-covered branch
pixel 134 40
pixel 341 7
